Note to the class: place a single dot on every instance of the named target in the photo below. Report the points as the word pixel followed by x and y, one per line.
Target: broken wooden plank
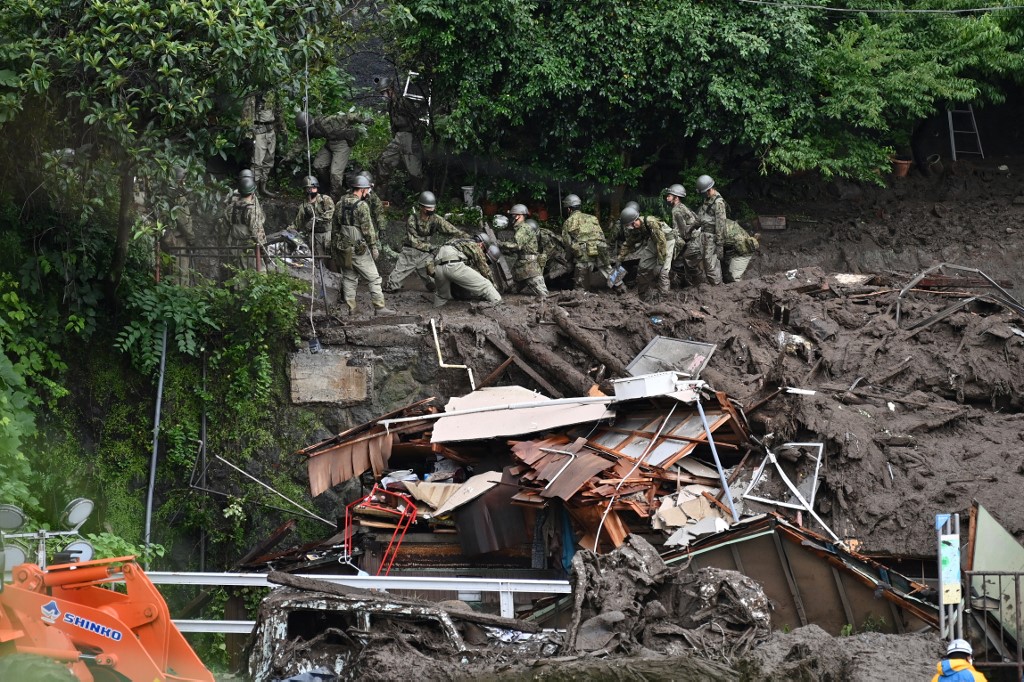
pixel 508 351
pixel 493 376
pixel 587 342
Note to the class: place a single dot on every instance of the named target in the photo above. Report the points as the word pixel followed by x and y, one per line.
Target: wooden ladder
pixel 963 131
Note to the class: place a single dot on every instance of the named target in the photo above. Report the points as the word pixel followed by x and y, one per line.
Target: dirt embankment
pixel 916 421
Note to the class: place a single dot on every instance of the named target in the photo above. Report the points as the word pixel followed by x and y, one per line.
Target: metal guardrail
pixel 505 587
pixel 994 602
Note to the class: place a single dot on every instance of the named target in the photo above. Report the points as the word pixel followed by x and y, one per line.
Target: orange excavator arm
pixel 69 613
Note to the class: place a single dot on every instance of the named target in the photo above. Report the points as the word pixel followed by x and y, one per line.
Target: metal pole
pixel 718 463
pixel 202 476
pixel 156 440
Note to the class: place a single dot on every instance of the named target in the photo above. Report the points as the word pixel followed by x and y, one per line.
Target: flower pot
pixel 541 213
pixel 489 207
pixel 901 167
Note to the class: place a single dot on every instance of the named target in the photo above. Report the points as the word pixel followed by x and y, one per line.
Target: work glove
pixel 375 252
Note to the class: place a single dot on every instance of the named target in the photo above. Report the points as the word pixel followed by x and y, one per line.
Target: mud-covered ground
pixel 934 420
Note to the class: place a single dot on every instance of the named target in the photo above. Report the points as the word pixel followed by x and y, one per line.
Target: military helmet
pixel 704 183
pixel 632 204
pixel 246 186
pixel 518 209
pixel 676 190
pixel 303 120
pixel 500 222
pixel 366 174
pixel 360 182
pixel 533 223
pixel 427 200
pixel 572 201
pixel 628 215
pixel 480 238
pixel 246 173
pixel 310 181
pixel 959 646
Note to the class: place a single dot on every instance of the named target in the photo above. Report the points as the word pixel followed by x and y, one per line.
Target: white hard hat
pixel 959 646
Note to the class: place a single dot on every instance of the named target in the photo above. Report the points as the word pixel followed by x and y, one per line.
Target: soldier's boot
pixel 351 305
pixel 381 309
pixel 264 191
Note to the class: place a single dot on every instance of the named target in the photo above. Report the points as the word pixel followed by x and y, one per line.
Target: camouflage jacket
pixel 525 246
pixel 475 257
pixel 248 216
pixel 348 126
pixel 711 216
pixel 419 231
pixel 650 228
pixel 549 244
pixel 581 228
pixel 403 116
pixel 683 220
pixel 262 112
pixel 355 212
pixel 738 241
pixel 321 208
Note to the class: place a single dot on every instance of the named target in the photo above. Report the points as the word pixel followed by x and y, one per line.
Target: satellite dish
pixel 81 550
pixel 76 513
pixel 11 517
pixel 13 556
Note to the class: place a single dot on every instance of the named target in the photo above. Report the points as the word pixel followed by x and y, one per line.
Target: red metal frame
pixel 405 510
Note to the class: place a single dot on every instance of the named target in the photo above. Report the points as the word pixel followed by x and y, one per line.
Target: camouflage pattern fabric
pixel 353 241
pixel 461 261
pixel 316 216
pixel 525 247
pixel 245 219
pixel 584 238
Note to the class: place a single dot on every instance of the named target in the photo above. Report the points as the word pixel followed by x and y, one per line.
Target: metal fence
pixel 994 603
pixel 505 587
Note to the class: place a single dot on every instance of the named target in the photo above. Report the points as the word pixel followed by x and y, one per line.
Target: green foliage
pixel 847 630
pixel 604 87
pixel 108 545
pixel 370 146
pixel 185 311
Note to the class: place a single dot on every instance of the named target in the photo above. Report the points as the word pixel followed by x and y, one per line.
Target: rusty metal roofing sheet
pixel 338 463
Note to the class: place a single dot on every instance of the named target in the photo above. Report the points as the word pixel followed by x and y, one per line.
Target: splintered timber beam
pixel 587 342
pixel 508 351
pixel 557 366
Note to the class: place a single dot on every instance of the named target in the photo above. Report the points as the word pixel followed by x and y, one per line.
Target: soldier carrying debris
pixel 340 132
pixel 655 242
pixel 526 272
pixel 416 255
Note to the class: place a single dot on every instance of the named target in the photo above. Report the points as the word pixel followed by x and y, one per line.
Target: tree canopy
pixel 596 91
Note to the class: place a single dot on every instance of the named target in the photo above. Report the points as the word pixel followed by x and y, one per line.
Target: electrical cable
pixel 313 342
pixel 852 10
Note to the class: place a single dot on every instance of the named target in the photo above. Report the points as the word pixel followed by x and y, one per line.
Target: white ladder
pixel 963 131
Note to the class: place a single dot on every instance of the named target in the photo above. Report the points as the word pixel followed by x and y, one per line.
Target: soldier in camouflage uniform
pixel 244 218
pixel 584 239
pixel 417 250
pixel 524 245
pixel 354 248
pixel 461 261
pixel 340 132
pixel 655 242
pixel 180 235
pixel 740 248
pixel 706 247
pixel 262 114
pixel 376 204
pixel 405 147
pixel 683 221
pixel 316 215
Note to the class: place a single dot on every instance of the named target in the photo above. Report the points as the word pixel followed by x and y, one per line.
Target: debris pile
pixel 630 600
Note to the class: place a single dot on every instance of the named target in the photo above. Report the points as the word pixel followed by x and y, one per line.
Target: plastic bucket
pixel 935 164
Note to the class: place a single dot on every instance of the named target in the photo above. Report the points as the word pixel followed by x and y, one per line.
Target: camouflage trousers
pixel 264 146
pixel 735 266
pixel 654 272
pixel 585 264
pixel 700 259
pixel 333 156
pixel 404 149
pixel 411 260
pixel 476 285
